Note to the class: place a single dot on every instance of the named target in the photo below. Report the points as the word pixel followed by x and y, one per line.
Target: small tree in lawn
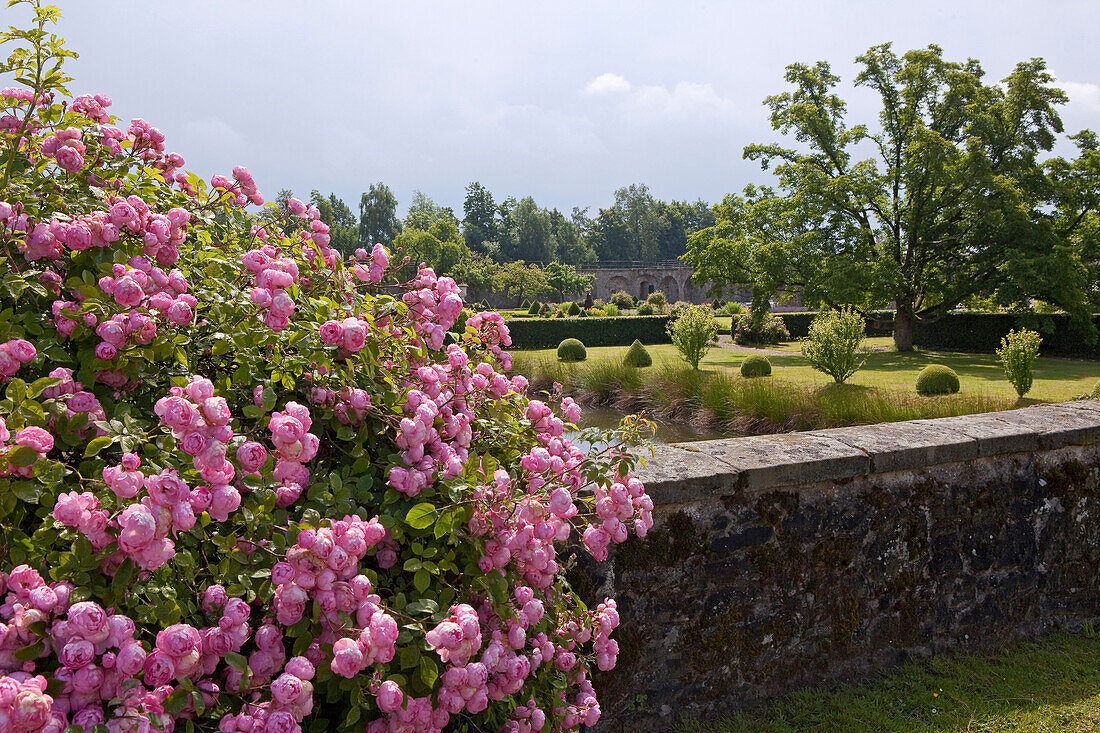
pixel 834 344
pixel 692 331
pixel 1017 353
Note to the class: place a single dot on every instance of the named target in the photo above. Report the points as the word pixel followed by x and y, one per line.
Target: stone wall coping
pixel 681 472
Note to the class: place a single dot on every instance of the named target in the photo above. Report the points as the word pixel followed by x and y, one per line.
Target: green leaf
pixel 38 386
pixel 30 651
pixel 236 661
pixel 421 516
pixel 445 524
pixel 424 605
pixel 17 390
pixel 176 702
pixel 23 455
pixel 95 445
pixel 429 671
pixel 421 580
pixel 28 491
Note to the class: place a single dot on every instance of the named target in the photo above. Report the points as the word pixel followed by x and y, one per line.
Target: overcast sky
pixel 565 101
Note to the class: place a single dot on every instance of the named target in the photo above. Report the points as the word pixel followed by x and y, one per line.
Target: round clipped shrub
pixel 657 299
pixel 756 365
pixel 637 355
pixel 936 379
pixel 572 350
pixel 223 470
pixel 573 309
pixel 646 309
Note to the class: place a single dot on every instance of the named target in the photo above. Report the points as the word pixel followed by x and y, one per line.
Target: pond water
pixel 667 432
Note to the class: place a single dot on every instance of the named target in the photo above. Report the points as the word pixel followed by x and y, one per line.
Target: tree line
pixel 514 245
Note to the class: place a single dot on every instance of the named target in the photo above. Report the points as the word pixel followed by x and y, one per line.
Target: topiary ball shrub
pixel 572 350
pixel 573 309
pixel 646 309
pixel 936 379
pixel 756 366
pixel 637 356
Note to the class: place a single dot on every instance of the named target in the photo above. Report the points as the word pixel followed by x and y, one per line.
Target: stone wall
pixel 787 561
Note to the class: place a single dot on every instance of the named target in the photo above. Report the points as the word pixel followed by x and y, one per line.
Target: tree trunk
pixel 903 329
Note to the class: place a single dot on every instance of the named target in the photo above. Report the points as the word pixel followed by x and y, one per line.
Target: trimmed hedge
pixel 983 332
pixel 978 332
pixel 798 324
pixel 546 333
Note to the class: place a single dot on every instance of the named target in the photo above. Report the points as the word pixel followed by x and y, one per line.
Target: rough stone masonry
pixel 786 561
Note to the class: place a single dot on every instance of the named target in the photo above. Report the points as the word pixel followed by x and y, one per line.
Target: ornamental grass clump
pixel 692 332
pixel 834 343
pixel 937 379
pixel 1017 354
pixel 246 484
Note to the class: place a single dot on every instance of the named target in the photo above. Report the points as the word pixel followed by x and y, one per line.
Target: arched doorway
pixel 615 284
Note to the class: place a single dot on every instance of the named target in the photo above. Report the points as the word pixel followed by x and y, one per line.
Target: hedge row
pixel 983 332
pixel 979 332
pixel 798 324
pixel 545 333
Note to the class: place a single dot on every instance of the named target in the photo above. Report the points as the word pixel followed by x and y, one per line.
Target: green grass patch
pixel 1056 380
pixel 796 397
pixel 1049 685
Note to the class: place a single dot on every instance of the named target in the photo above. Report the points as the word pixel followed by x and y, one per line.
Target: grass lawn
pixel 1056 380
pixel 1050 685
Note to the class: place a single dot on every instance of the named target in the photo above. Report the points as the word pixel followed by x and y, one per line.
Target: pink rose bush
pixel 253 484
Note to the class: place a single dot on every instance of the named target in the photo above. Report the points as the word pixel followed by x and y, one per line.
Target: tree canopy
pixel 946 195
pixel 378 220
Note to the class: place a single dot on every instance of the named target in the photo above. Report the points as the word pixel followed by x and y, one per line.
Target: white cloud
pixel 687 100
pixel 1083 94
pixel 608 84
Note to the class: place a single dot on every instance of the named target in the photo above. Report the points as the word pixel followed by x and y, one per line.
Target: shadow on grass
pixel 1053 684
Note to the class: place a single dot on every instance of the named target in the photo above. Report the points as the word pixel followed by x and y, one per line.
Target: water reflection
pixel 667 432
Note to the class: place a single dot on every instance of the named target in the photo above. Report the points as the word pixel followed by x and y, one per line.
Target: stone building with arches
pixel 672 279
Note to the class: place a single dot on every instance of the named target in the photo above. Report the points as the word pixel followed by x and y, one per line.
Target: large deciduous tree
pixel 947 195
pixel 343 226
pixel 378 220
pixel 479 217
